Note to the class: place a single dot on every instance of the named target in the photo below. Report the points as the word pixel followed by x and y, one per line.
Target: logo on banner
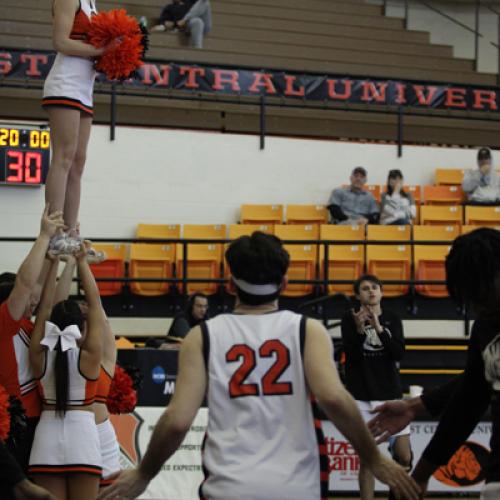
pixel 341 456
pixel 127 427
pixel 466 467
pixel 158 375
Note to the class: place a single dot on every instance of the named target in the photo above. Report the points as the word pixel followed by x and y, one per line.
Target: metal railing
pixel 321 282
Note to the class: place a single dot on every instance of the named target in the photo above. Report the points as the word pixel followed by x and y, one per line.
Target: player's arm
pixel 340 407
pixel 173 425
pixel 470 400
pixel 65 279
pixel 64 16
pixel 29 272
pixel 36 349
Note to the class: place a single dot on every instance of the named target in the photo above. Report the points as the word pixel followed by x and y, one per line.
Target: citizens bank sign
pixel 243 81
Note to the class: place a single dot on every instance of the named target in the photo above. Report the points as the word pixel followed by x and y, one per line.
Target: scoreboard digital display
pixel 24 155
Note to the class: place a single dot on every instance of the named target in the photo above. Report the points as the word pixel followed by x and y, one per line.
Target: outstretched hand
pixel 129 485
pixel 83 251
pixel 390 418
pixel 393 475
pixel 51 223
pixel 26 490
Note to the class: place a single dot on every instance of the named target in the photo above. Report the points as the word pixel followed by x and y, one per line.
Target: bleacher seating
pixel 303 257
pixel 389 262
pixel 335 36
pixel 482 216
pixel 443 195
pixel 345 262
pixel 261 214
pixel 449 176
pixel 429 259
pixel 151 261
pixel 306 214
pixel 112 267
pixel 441 215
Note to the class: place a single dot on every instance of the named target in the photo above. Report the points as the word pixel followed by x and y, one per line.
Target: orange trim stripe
pixel 65 469
pixel 324 476
pixel 67 102
pixel 106 482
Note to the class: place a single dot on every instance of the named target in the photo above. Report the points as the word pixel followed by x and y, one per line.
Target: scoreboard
pixel 24 155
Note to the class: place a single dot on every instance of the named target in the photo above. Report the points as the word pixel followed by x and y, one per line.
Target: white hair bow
pixel 68 336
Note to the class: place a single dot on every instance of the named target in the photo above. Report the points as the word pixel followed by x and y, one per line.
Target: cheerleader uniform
pixel 66 444
pixel 110 450
pixel 70 82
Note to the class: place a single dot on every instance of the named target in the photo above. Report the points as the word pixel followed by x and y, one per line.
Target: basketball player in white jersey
pixel 258 368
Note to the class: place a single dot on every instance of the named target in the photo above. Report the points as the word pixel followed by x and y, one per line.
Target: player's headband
pixel 253 289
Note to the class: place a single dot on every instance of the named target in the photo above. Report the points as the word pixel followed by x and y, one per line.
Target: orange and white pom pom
pixel 124 40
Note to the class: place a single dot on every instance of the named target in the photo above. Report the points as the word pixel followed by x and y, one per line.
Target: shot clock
pixel 24 155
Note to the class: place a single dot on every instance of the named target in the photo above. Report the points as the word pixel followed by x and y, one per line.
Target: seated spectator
pixel 398 206
pixel 195 17
pixel 195 312
pixel 352 205
pixel 482 185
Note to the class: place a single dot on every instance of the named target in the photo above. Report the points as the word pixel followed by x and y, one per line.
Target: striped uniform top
pixel 103 386
pixel 81 390
pixel 262 440
pixel 16 374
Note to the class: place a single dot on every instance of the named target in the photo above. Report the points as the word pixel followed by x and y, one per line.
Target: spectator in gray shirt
pixel 352 205
pixel 398 206
pixel 482 185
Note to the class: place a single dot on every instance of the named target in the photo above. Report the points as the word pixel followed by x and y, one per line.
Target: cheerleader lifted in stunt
pixel 67 97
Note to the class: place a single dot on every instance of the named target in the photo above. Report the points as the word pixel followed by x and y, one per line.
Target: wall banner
pixel 328 88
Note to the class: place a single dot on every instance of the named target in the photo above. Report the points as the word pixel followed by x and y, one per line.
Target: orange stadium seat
pixel 467 229
pixel 482 216
pixel 237 230
pixel 448 176
pixel 303 258
pixel 306 214
pixel 158 231
pixel 389 262
pixel 124 343
pixel 203 260
pixel 443 195
pixel 112 267
pixel 261 214
pixel 345 262
pixel 429 260
pixel 416 192
pixel 151 261
pixel 441 214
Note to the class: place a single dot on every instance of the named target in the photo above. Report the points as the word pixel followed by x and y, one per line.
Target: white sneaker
pixel 96 256
pixel 62 244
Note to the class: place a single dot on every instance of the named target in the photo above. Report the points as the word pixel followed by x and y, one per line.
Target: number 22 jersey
pixel 263 441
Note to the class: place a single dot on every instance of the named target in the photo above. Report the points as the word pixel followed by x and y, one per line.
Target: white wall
pixel 176 176
pixel 446 32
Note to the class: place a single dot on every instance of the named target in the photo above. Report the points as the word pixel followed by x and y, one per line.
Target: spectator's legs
pixel 199 22
pixel 196 28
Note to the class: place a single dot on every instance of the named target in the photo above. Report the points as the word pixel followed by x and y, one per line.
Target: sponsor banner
pixel 464 472
pixel 182 475
pixel 328 88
